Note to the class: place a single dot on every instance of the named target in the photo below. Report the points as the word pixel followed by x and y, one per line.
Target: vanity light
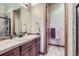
pixel 24 5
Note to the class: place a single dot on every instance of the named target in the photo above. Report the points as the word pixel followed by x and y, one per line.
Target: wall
pixel 69 29
pixel 26 21
pixel 38 16
pixel 74 28
pixel 2 9
pixel 9 7
pixel 57 22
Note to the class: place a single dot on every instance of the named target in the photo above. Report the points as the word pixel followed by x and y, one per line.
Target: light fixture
pixel 24 5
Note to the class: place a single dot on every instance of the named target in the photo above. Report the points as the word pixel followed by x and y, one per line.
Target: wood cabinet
pixel 38 46
pixel 25 52
pixel 31 48
pixel 14 52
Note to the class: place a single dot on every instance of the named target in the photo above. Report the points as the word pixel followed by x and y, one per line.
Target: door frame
pixel 13 22
pixel 65 29
pixel 47 33
pixel 77 29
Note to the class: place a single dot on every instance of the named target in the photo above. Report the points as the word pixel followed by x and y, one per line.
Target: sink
pixel 26 37
pixel 16 38
pixel 19 39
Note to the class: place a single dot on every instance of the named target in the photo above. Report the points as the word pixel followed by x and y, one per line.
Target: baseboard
pixel 56 45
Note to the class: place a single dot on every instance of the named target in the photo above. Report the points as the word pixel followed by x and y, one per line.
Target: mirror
pixel 14 18
pixel 19 18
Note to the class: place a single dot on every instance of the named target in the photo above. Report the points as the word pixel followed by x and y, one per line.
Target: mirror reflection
pixel 17 20
pixel 14 19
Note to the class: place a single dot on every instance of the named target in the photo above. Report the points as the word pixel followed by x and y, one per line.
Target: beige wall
pixel 38 16
pixel 25 17
pixel 2 9
pixel 74 27
pixel 57 22
pixel 70 30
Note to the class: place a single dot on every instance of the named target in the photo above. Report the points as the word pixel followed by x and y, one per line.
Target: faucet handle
pixel 11 36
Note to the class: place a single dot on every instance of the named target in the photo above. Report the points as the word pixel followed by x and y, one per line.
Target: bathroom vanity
pixel 15 25
pixel 24 46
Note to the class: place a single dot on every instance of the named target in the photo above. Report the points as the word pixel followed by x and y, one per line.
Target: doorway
pixel 59 43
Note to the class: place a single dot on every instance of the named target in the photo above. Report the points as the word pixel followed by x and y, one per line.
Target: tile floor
pixel 55 51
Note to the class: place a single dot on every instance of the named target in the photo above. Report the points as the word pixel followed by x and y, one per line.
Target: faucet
pixel 14 35
pixel 11 36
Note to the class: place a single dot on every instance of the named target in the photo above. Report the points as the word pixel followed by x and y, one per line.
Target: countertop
pixel 9 44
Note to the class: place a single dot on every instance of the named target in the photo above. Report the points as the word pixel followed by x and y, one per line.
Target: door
pixel 47 28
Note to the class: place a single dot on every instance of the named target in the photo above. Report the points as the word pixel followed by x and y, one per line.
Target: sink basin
pixel 19 39
pixel 26 37
pixel 16 38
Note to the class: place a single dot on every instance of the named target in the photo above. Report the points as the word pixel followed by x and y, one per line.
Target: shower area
pixel 5 24
pixel 57 24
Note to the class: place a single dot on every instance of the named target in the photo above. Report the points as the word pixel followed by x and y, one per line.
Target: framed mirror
pixel 14 18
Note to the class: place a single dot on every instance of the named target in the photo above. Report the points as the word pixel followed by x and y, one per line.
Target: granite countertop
pixel 9 44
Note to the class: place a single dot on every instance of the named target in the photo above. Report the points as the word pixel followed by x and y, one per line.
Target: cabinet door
pixel 25 52
pixel 14 52
pixel 38 46
pixel 31 48
pixel 31 51
pixel 34 50
pixel 26 49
